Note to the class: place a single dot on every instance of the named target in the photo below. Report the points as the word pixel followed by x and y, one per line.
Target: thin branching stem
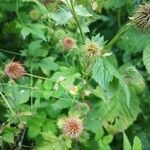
pixel 23 86
pixel 7 103
pixel 76 19
pixel 116 38
pixel 10 52
pixel 36 76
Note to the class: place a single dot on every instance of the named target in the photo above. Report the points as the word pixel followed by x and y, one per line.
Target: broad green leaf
pixel 145 139
pixel 48 84
pixel 146 58
pixel 134 41
pixel 33 131
pixel 47 65
pixel 122 82
pixel 82 11
pixel 66 77
pixel 103 146
pixel 137 145
pixel 99 92
pixel 35 49
pixel 113 4
pixel 49 136
pixel 62 16
pixel 16 95
pixel 132 75
pixel 8 137
pixel 25 32
pixel 93 125
pixel 36 120
pixel 61 104
pixel 49 125
pixel 101 74
pixel 37 30
pixel 116 116
pixel 107 139
pixel 22 96
pixel 126 143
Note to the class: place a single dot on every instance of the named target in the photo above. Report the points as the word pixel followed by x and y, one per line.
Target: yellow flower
pixel 74 90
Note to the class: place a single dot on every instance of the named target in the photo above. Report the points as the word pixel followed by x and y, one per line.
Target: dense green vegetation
pixel 75 74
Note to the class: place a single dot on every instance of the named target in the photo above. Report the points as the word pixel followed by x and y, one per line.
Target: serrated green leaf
pixel 101 74
pixel 122 82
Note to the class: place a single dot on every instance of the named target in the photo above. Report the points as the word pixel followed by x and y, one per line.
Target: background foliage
pixel 112 98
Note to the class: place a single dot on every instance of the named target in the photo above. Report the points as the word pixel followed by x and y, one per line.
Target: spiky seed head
pixel 91 51
pixel 34 14
pixel 14 70
pixel 73 127
pixel 141 17
pixel 68 43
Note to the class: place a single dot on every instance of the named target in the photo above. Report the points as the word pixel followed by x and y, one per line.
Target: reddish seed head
pixel 141 18
pixel 14 70
pixel 68 42
pixel 73 127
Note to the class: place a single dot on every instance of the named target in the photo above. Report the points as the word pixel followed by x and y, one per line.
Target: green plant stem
pixel 35 76
pixel 7 103
pixel 116 38
pixel 76 19
pixel 5 84
pixel 10 52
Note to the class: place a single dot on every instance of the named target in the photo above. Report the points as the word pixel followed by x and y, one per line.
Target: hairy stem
pixel 76 19
pixel 116 38
pixel 7 103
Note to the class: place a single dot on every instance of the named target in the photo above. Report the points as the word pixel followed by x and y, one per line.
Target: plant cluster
pixel 75 74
